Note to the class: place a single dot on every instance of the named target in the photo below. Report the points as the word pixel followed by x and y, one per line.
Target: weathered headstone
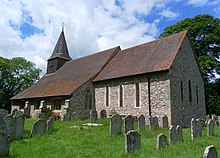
pixel 103 114
pixel 42 116
pixel 132 141
pixel 115 124
pixel 179 133
pixel 141 123
pixel 4 144
pixel 172 134
pixel 210 127
pixel 129 123
pixel 18 113
pixel 161 141
pixel 39 128
pixel 154 125
pixel 50 123
pixel 210 152
pixel 93 115
pixel 14 112
pixel 165 121
pixel 10 126
pixel 19 130
pixel 3 114
pixel 74 116
pixel 67 116
pixel 196 128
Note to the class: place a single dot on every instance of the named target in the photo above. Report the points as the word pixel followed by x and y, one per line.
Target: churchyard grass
pixel 64 141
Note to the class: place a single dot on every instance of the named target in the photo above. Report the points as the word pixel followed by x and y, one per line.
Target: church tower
pixel 60 55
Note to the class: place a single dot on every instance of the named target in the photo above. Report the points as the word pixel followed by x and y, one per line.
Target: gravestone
pixel 129 123
pixel 161 141
pixel 39 128
pixel 141 123
pixel 154 125
pixel 14 112
pixel 4 144
pixel 103 114
pixel 172 134
pixel 165 121
pixel 3 114
pixel 115 124
pixel 67 116
pixel 42 116
pixel 50 123
pixel 196 128
pixel 210 152
pixel 93 115
pixel 10 126
pixel 179 133
pixel 27 109
pixel 132 141
pixel 210 127
pixel 19 129
pixel 18 113
pixel 74 116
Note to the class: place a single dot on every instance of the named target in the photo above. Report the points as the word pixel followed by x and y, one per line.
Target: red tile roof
pixel 150 57
pixel 69 77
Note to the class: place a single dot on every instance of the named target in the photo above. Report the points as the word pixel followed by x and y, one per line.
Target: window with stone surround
pixel 181 90
pixel 57 105
pixel 88 99
pixel 121 96
pixel 190 91
pixel 137 88
pixel 107 96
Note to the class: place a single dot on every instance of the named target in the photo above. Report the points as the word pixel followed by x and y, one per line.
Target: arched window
pixel 137 95
pixel 107 96
pixel 88 99
pixel 190 91
pixel 121 95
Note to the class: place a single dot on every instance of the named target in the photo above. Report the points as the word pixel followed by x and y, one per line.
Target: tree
pixel 204 31
pixel 16 74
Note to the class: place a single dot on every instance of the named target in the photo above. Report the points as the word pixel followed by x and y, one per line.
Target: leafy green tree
pixel 204 31
pixel 16 74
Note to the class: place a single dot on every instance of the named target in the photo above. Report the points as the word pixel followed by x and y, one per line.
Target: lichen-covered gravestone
pixel 179 133
pixel 161 141
pixel 196 128
pixel 3 114
pixel 42 116
pixel 210 127
pixel 93 115
pixel 141 123
pixel 19 130
pixel 39 128
pixel 172 134
pixel 154 125
pixel 4 144
pixel 164 121
pixel 129 123
pixel 210 152
pixel 103 114
pixel 132 141
pixel 115 124
pixel 10 126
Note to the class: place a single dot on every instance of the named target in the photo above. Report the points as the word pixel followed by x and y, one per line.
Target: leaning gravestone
pixel 103 114
pixel 50 123
pixel 141 123
pixel 10 126
pixel 67 116
pixel 39 128
pixel 42 116
pixel 132 141
pixel 164 121
pixel 210 152
pixel 19 130
pixel 210 127
pixel 93 115
pixel 4 144
pixel 129 123
pixel 115 124
pixel 161 141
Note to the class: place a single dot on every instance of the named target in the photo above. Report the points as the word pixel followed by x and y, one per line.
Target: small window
pixel 57 105
pixel 181 90
pixel 88 99
pixel 107 96
pixel 121 95
pixel 137 95
pixel 197 95
pixel 190 91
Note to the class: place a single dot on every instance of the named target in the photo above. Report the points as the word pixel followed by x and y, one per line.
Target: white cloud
pixel 167 13
pixel 197 2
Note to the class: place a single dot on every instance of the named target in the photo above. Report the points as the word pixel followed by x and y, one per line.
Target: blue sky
pixel 31 28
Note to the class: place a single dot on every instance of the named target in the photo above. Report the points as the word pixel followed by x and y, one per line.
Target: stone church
pixel 157 78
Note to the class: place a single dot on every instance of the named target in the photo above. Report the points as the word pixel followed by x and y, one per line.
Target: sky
pixel 30 28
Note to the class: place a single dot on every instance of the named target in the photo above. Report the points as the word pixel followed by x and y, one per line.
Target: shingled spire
pixel 59 56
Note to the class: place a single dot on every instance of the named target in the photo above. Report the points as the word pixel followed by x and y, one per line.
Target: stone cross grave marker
pixel 141 123
pixel 115 124
pixel 103 114
pixel 165 121
pixel 210 127
pixel 210 152
pixel 19 129
pixel 132 141
pixel 4 144
pixel 161 141
pixel 39 128
pixel 128 123
pixel 93 115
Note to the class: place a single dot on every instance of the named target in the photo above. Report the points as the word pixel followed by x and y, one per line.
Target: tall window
pixel 107 96
pixel 121 95
pixel 57 105
pixel 190 91
pixel 197 95
pixel 181 90
pixel 88 99
pixel 137 95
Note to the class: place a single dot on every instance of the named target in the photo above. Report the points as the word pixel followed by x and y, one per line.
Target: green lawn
pixel 65 142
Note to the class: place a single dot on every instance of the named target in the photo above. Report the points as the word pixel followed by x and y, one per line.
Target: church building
pixel 157 78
